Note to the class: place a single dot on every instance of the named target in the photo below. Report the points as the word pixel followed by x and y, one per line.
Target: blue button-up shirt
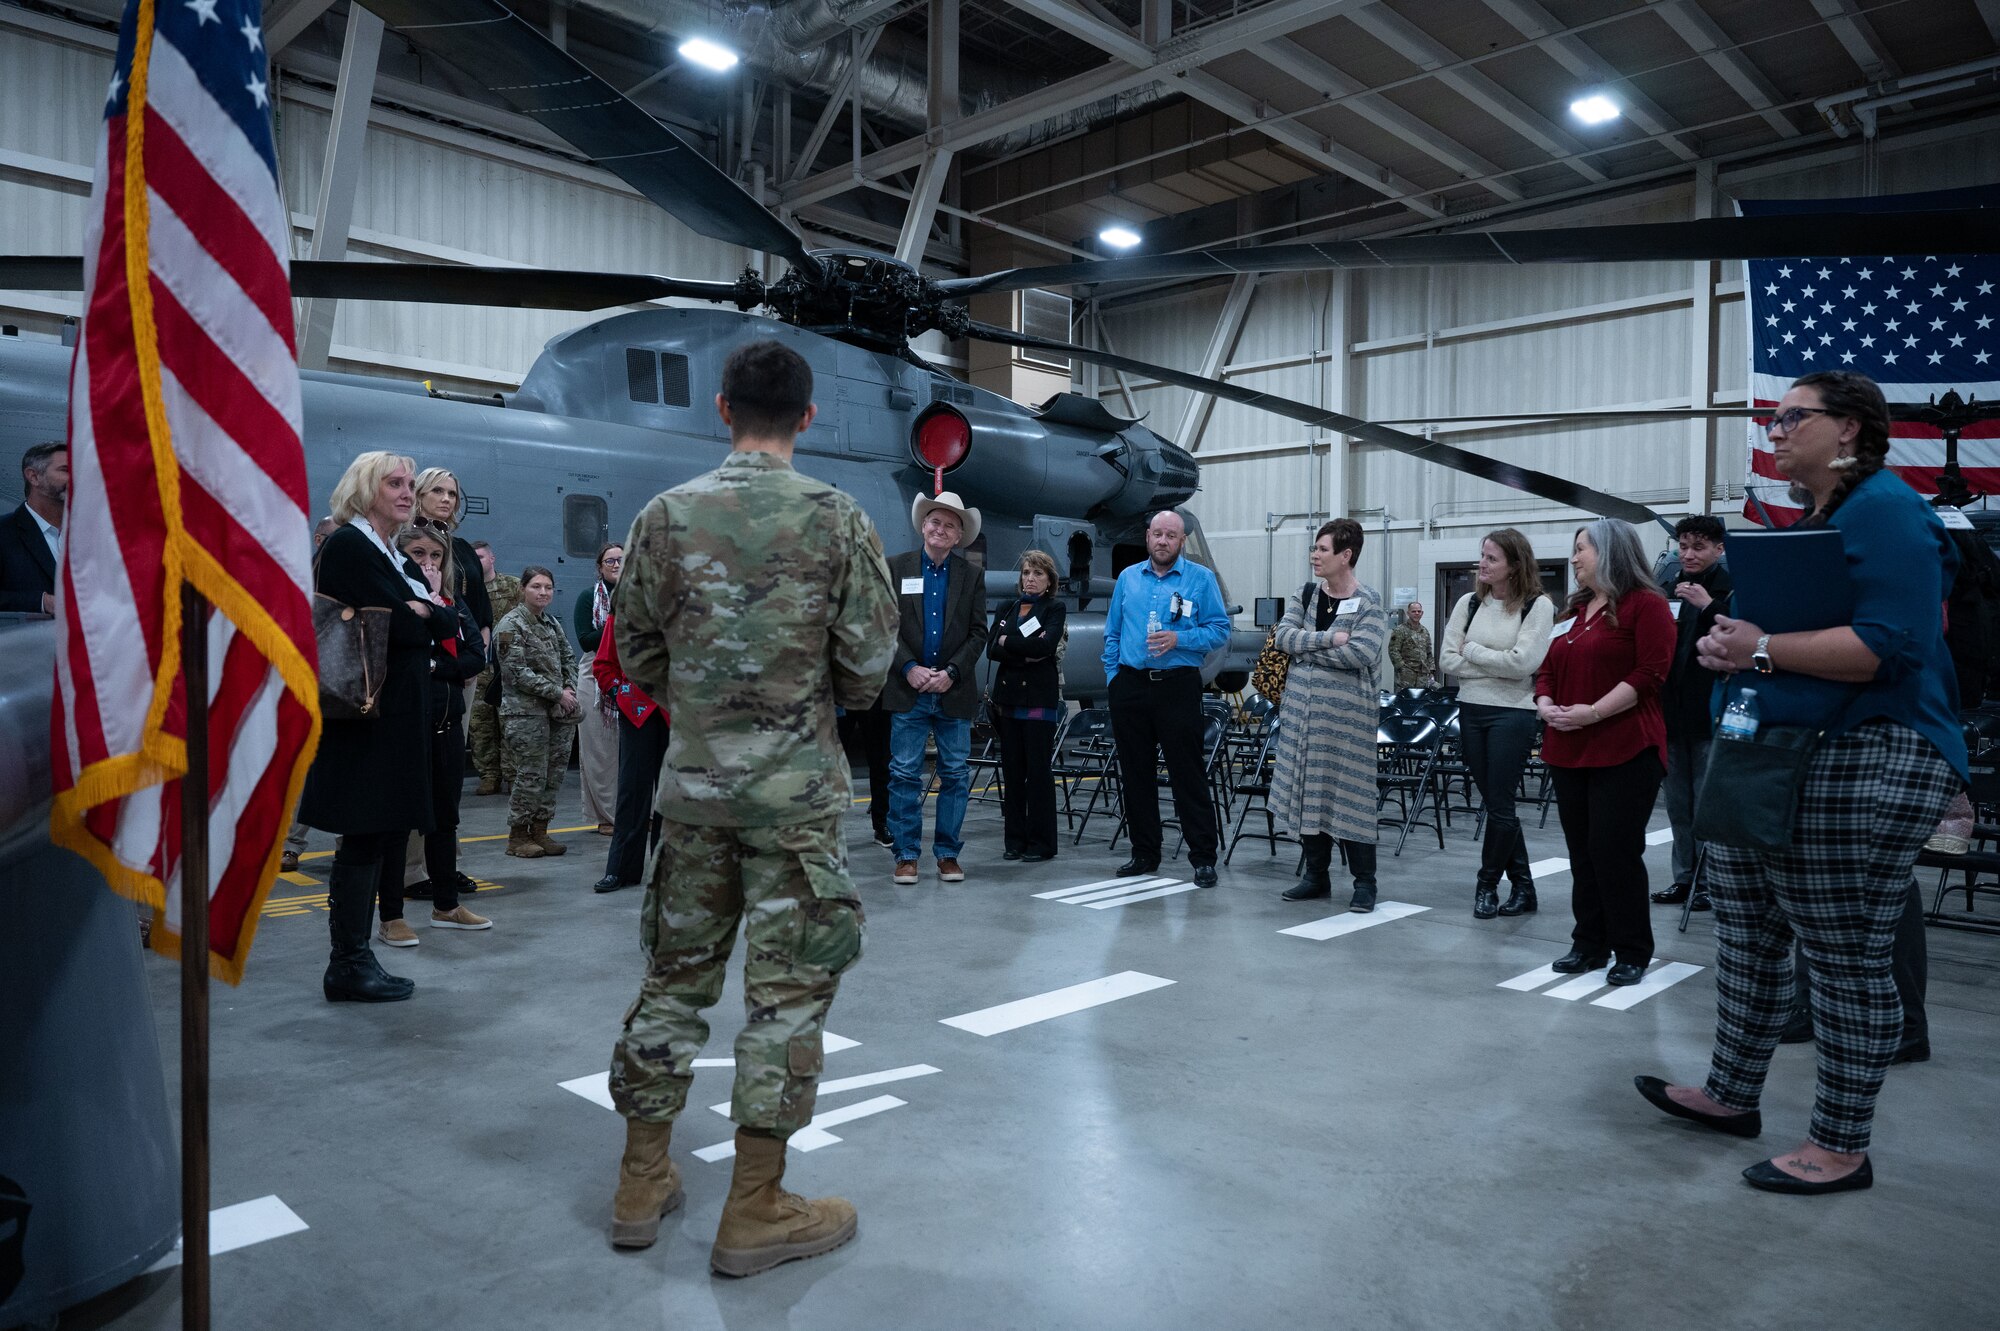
pixel 1187 600
pixel 937 586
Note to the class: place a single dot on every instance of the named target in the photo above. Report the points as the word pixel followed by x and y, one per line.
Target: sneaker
pixel 605 829
pixel 1946 844
pixel 949 872
pixel 460 918
pixel 396 933
pixel 906 873
pixel 884 840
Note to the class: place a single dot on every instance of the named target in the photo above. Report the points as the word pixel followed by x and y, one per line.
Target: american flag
pixel 186 466
pixel 1917 324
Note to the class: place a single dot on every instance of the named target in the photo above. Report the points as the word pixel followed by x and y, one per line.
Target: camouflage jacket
pixel 754 600
pixel 1410 651
pixel 504 591
pixel 536 662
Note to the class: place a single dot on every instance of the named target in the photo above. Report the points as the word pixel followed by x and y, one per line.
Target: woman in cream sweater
pixel 1493 644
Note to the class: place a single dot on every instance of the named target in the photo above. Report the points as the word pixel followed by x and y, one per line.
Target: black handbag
pixel 1749 795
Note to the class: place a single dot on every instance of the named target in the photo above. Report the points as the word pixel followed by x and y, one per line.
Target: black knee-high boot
pixel 352 973
pixel 1317 880
pixel 1361 862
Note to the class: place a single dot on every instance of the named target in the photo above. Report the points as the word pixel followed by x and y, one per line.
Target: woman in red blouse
pixel 1598 691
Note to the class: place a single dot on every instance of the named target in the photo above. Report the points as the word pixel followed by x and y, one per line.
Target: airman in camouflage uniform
pixel 538 715
pixel 754 600
pixel 489 756
pixel 1410 650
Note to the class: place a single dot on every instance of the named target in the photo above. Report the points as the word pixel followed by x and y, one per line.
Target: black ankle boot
pixel 1485 898
pixel 1361 863
pixel 352 973
pixel 1317 880
pixel 1521 901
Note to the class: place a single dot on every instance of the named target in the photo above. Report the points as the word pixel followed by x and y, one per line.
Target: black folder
pixel 1791 581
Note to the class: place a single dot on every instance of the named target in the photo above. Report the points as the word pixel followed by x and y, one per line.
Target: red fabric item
pixel 610 676
pixel 1589 659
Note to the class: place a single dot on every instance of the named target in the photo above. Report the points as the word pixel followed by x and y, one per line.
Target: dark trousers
pixel 641 751
pixel 1687 758
pixel 1027 788
pixel 1162 717
pixel 1496 742
pixel 869 731
pixel 440 844
pixel 1604 812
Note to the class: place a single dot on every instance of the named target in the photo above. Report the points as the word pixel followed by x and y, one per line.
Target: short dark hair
pixel 533 571
pixel 36 459
pixel 768 386
pixel 1704 525
pixel 1346 534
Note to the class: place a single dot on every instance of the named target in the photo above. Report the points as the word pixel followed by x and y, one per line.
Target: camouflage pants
pixel 802 927
pixel 490 757
pixel 539 746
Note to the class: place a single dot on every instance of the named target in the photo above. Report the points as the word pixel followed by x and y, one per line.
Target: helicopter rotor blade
pixel 522 69
pixel 1830 235
pixel 434 284
pixel 1458 459
pixel 1611 416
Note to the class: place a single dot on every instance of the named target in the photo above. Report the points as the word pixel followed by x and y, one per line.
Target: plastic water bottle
pixel 1739 720
pixel 1153 622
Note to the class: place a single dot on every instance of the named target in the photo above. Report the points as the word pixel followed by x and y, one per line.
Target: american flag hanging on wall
pixel 1919 325
pixel 186 466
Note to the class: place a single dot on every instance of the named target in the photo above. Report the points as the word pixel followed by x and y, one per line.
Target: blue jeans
pixel 907 731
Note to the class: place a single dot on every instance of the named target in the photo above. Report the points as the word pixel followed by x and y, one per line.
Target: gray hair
pixel 1622 566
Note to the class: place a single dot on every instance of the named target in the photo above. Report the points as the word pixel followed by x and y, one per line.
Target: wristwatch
pixel 1761 658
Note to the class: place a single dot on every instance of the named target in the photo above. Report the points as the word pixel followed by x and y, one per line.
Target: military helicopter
pixel 616 410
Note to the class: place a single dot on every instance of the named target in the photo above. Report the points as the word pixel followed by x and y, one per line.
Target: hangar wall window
pixel 642 375
pixel 586 525
pixel 674 371
pixel 1046 314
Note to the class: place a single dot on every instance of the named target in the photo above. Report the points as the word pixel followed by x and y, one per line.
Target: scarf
pixel 600 605
pixel 418 586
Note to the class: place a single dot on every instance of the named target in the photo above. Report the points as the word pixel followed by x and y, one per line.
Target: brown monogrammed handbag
pixel 353 656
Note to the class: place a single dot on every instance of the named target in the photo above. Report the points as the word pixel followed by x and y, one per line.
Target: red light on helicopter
pixel 941 440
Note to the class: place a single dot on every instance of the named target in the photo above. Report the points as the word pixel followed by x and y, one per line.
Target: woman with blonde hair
pixel 440 506
pixel 1494 642
pixel 371 779
pixel 1026 702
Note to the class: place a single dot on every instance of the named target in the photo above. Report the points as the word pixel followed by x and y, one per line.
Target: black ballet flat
pixel 1749 1124
pixel 1770 1178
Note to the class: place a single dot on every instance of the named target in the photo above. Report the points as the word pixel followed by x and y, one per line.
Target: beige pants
pixel 597 752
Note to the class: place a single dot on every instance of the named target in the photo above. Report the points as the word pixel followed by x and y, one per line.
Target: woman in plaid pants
pixel 1891 759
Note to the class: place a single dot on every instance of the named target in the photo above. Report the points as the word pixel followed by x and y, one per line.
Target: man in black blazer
pixel 933 686
pixel 1699 590
pixel 29 534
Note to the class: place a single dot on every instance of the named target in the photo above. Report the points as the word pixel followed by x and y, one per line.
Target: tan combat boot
pixel 762 1224
pixel 520 844
pixel 550 846
pixel 648 1185
pixel 488 785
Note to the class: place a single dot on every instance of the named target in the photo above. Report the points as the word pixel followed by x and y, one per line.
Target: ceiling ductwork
pixel 801 43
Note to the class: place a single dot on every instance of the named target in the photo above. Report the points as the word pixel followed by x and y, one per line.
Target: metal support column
pixel 944 108
pixel 1156 22
pixel 341 173
pixel 1701 356
pixel 1338 332
pixel 1228 325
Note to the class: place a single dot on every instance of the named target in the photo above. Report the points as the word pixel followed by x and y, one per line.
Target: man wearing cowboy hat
pixel 933 689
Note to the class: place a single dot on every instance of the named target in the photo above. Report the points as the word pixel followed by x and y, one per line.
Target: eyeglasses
pixel 612 559
pixel 431 524
pixel 1789 419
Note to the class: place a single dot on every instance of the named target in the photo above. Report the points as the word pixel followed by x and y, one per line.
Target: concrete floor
pixel 1359 1131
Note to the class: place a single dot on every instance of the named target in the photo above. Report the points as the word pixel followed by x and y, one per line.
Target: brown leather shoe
pixel 288 862
pixel 949 872
pixel 906 873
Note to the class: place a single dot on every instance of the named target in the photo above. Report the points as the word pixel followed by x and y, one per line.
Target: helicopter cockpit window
pixel 586 525
pixel 674 375
pixel 642 376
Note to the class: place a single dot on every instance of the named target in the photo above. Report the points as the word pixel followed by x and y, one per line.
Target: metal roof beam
pixel 1421 49
pixel 284 20
pixel 1114 41
pixel 1328 82
pixel 1857 34
pixel 1571 52
pixel 1713 45
pixel 1989 13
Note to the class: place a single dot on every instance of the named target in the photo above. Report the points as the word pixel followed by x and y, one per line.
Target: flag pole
pixel 194 965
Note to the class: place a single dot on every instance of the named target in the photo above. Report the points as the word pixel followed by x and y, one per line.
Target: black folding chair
pixel 1406 757
pixel 1254 785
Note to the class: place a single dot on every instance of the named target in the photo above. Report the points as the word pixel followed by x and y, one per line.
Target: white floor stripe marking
pixel 596 1087
pixel 1333 926
pixel 814 1135
pixel 1587 983
pixel 1530 982
pixel 239 1226
pixel 1113 883
pixel 1661 837
pixel 1661 977
pixel 1168 890
pixel 1055 1003
pixel 839 1084
pixel 1122 893
pixel 1544 868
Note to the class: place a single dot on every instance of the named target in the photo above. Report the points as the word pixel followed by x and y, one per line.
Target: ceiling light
pixel 1119 237
pixel 708 54
pixel 1594 109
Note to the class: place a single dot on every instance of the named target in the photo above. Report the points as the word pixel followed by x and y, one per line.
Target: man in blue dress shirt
pixel 1166 615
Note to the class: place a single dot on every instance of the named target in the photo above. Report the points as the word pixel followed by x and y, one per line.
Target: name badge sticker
pixel 913 586
pixel 1953 519
pixel 1348 606
pixel 1030 626
pixel 1675 608
pixel 1561 629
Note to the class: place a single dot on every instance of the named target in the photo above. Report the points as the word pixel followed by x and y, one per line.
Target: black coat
pixel 27 568
pixel 1685 697
pixel 375 775
pixel 1028 674
pixel 471 579
pixel 451 669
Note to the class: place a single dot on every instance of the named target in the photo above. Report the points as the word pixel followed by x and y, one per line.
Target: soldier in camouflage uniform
pixel 489 756
pixel 538 712
pixel 754 600
pixel 1410 650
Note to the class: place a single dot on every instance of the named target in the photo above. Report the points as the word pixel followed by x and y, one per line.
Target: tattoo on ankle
pixel 1805 1166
